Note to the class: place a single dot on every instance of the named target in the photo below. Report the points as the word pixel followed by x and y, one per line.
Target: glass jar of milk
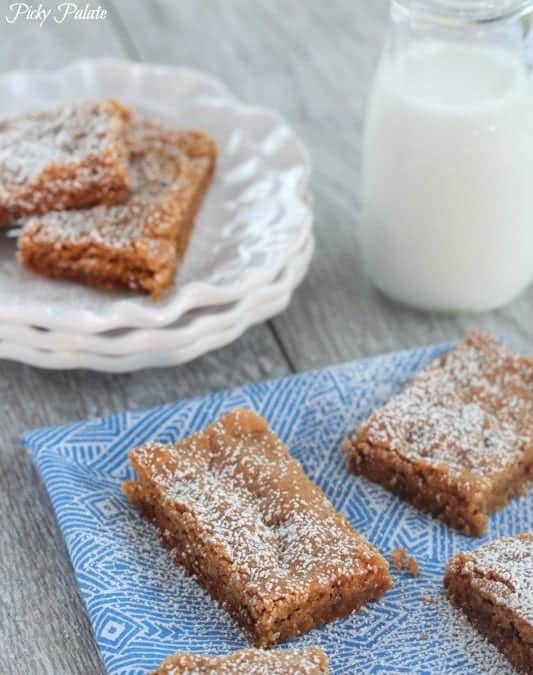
pixel 447 174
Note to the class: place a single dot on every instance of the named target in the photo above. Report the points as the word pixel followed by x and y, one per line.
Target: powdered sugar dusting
pixel 163 178
pixel 159 172
pixel 57 156
pixel 502 571
pixel 127 577
pixel 453 629
pixel 472 411
pixel 310 661
pixel 71 133
pixel 247 496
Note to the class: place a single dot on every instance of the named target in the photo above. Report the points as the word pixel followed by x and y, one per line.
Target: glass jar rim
pixel 453 12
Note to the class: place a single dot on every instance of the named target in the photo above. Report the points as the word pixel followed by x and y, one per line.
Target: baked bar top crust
pixel 502 573
pixel 309 661
pixel 255 503
pixel 71 156
pixel 241 515
pixel 464 423
pixel 493 586
pixel 471 412
pixel 136 244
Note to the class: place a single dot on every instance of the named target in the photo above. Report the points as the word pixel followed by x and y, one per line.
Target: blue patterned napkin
pixel 142 606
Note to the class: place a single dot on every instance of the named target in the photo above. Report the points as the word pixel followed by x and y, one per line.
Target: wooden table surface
pixel 312 60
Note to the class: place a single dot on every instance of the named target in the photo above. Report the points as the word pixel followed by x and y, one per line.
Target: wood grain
pixel 313 61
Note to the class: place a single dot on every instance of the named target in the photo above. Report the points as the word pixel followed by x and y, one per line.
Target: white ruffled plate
pixel 254 220
pixel 168 346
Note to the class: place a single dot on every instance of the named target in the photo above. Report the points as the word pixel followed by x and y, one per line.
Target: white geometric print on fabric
pixel 143 607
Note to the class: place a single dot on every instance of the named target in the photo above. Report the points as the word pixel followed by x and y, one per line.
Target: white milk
pixel 447 189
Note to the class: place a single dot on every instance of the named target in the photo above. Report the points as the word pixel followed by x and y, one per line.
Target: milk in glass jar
pixel 447 174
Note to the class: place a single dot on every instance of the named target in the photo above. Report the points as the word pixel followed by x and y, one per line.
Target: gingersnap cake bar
pixel 69 157
pixel 458 441
pixel 309 661
pixel 238 512
pixel 493 586
pixel 138 244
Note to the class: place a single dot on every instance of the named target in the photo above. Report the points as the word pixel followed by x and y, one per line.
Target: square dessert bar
pixel 135 245
pixel 458 441
pixel 309 661
pixel 238 512
pixel 68 157
pixel 493 585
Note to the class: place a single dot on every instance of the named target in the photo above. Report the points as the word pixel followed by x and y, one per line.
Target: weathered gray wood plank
pixel 43 626
pixel 313 61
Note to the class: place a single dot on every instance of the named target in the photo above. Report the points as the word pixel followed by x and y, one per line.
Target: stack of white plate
pixel 251 246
